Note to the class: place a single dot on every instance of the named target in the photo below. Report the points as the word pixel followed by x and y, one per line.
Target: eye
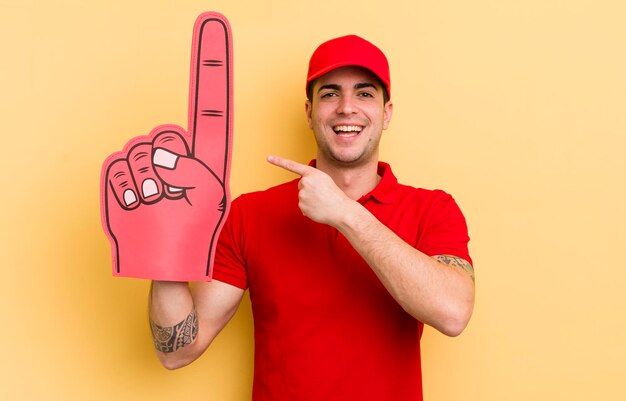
pixel 366 94
pixel 328 95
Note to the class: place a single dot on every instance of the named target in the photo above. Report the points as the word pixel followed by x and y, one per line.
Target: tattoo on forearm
pixel 455 261
pixel 170 339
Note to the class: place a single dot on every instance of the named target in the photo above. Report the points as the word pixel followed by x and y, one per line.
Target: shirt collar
pixel 386 190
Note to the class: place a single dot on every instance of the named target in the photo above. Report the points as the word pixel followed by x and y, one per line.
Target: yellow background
pixel 517 108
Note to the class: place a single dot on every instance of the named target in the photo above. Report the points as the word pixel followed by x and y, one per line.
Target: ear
pixel 308 108
pixel 387 113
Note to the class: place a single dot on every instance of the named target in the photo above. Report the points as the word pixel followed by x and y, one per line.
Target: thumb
pixel 181 171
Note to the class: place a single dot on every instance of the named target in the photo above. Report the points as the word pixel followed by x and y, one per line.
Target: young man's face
pixel 347 114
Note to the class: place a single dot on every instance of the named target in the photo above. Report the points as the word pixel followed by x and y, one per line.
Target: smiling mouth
pixel 347 130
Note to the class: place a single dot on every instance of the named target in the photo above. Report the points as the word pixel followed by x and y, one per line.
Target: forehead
pixel 348 76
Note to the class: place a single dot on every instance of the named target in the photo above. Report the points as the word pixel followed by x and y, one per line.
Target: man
pixel 344 265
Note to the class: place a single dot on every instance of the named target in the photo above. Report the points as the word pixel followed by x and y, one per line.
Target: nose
pixel 346 105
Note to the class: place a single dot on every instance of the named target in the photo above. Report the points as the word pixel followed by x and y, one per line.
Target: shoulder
pixel 428 206
pixel 422 196
pixel 391 189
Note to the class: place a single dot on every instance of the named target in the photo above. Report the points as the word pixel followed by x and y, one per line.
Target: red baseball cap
pixel 345 51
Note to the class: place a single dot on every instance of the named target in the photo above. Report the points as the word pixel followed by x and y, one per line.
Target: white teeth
pixel 348 128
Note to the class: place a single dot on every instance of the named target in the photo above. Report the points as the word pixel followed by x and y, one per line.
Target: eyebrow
pixel 363 85
pixel 360 85
pixel 329 86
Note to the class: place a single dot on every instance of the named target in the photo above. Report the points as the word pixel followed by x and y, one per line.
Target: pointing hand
pixel 320 199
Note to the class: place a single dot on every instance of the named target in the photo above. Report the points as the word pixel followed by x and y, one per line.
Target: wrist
pixel 352 217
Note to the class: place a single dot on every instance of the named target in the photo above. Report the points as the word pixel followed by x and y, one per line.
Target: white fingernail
pixel 149 188
pixel 174 189
pixel 163 158
pixel 129 197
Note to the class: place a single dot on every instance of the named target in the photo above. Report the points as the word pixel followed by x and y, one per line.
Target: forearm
pixel 437 294
pixel 184 319
pixel 173 323
pixel 170 302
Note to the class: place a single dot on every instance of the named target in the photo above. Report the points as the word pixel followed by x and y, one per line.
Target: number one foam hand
pixel 165 197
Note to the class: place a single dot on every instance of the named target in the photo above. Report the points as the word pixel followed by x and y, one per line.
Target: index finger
pixel 211 93
pixel 290 165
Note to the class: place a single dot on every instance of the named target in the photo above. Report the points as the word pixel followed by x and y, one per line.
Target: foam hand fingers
pixel 149 185
pixel 128 179
pixel 211 93
pixel 130 175
pixel 188 174
pixel 167 146
pixel 120 185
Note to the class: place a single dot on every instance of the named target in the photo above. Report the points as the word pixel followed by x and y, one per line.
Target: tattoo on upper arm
pixel 455 261
pixel 170 339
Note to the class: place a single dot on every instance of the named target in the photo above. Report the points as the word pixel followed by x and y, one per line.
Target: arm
pixel 438 291
pixel 185 319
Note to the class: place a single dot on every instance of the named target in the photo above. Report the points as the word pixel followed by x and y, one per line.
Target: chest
pixel 297 267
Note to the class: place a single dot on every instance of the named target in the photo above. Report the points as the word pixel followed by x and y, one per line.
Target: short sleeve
pixel 446 232
pixel 229 264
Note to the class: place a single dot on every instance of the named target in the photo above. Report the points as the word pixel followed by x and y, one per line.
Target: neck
pixel 354 181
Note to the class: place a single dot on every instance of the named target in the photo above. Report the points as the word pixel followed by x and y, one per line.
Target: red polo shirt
pixel 325 327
